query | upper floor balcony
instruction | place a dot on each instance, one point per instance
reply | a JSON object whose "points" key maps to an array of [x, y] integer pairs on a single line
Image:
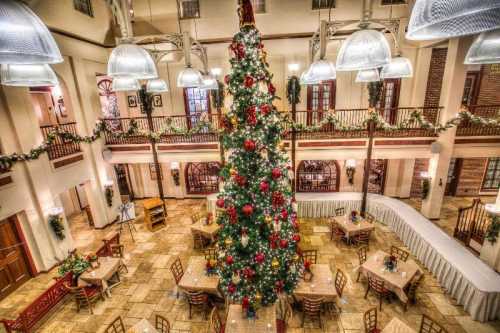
{"points": [[485, 111], [60, 148]]}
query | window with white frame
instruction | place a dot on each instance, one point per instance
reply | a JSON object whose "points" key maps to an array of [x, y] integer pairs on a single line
{"points": [[84, 6]]}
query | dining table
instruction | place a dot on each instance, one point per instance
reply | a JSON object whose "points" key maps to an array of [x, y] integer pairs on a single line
{"points": [[264, 321], [142, 326], [351, 228], [397, 326], [195, 277], [395, 281], [320, 285], [208, 231], [101, 275]]}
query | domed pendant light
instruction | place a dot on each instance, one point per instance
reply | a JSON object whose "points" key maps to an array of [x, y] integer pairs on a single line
{"points": [[364, 49], [28, 75], [322, 70], [209, 83], [132, 61], [188, 77], [305, 78], [399, 67], [368, 75], [485, 49], [125, 84], [156, 86], [434, 19], [24, 38]]}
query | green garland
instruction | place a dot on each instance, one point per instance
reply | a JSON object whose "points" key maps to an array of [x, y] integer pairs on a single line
{"points": [[56, 223]]}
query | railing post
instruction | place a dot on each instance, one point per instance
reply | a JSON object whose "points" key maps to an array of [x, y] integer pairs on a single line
{"points": [[366, 176]]}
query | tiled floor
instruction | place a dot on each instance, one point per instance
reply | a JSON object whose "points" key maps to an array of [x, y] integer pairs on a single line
{"points": [[148, 287]]}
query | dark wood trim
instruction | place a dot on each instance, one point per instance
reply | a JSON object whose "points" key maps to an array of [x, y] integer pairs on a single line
{"points": [[68, 161], [26, 249], [6, 180], [130, 148], [79, 38], [189, 147], [480, 140], [403, 142], [332, 144]]}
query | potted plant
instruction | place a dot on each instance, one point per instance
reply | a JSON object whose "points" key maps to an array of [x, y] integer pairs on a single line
{"points": [[74, 263]]}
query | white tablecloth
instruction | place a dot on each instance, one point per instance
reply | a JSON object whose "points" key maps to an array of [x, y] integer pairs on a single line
{"points": [[465, 277]]}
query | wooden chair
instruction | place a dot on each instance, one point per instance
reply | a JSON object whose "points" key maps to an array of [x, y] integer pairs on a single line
{"points": [[411, 291], [199, 242], [215, 322], [370, 320], [369, 218], [428, 325], [195, 217], [161, 324], [362, 259], [310, 255], [116, 326], [362, 238], [378, 288], [399, 253], [336, 232], [85, 296], [117, 251], [311, 308], [340, 211], [340, 282], [210, 253], [177, 272], [197, 299]]}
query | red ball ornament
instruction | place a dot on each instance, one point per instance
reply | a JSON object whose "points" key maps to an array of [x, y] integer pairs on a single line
{"points": [[226, 79], [229, 260], [283, 243], [296, 238], [271, 89], [265, 109], [277, 199], [220, 203], [276, 173], [259, 258], [264, 186], [248, 82], [231, 288], [247, 209], [245, 302], [240, 180], [279, 285], [284, 214], [249, 145]]}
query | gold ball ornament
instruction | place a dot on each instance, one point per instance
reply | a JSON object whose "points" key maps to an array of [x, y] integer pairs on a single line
{"points": [[268, 219], [234, 120], [275, 264], [228, 241], [296, 257], [233, 172], [281, 145], [258, 297]]}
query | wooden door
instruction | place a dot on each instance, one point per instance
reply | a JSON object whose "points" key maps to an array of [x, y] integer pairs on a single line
{"points": [[389, 101], [121, 171], [471, 88], [376, 179], [453, 176], [14, 268], [320, 99]]}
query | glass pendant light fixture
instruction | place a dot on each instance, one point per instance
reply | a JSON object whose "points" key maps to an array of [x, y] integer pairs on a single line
{"points": [[125, 84], [209, 83], [368, 75], [189, 78], [485, 49], [156, 86], [399, 67], [322, 70], [434, 19], [28, 75], [364, 49], [132, 61], [306, 78], [24, 38]]}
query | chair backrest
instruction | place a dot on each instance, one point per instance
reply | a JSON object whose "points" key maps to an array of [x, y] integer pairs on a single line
{"points": [[370, 320], [177, 270], [196, 297], [117, 250], [210, 253], [428, 325], [161, 324], [376, 284], [219, 212], [362, 254], [369, 217], [77, 292], [312, 306], [340, 282], [363, 236], [195, 217], [414, 284], [339, 211], [216, 322], [310, 255], [399, 253], [116, 326]]}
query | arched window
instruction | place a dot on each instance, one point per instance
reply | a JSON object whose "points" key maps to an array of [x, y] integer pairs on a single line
{"points": [[318, 176], [202, 178]]}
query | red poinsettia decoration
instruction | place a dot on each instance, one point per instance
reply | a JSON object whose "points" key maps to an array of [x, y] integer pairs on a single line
{"points": [[265, 109], [240, 180], [231, 288], [220, 202], [276, 173], [277, 199], [249, 81], [296, 238], [271, 89]]}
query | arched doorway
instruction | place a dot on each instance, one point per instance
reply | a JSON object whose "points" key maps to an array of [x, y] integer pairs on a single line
{"points": [[202, 177], [318, 176]]}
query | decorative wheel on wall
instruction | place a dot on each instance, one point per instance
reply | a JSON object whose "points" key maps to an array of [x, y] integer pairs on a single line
{"points": [[202, 177]]}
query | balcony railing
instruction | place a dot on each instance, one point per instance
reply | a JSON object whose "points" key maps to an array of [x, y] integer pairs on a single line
{"points": [[347, 117], [466, 128], [61, 148]]}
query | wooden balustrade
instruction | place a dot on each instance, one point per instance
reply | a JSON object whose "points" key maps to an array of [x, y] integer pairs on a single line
{"points": [[61, 148], [466, 128]]}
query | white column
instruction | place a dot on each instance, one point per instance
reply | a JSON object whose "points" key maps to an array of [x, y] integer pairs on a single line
{"points": [[490, 253], [406, 177], [451, 98]]}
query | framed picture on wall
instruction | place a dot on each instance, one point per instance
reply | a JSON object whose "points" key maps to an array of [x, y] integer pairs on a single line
{"points": [[157, 102], [152, 172], [132, 101]]}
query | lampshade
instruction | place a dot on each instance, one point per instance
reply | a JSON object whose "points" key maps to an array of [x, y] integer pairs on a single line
{"points": [[189, 77], [485, 49], [125, 84], [364, 49], [434, 19], [209, 83], [24, 39], [322, 70], [129, 60], [397, 68], [216, 71], [156, 86], [28, 75], [368, 75], [306, 78]]}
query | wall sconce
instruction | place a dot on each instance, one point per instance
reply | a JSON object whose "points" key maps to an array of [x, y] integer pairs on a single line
{"points": [[56, 222], [175, 172], [109, 192], [350, 169], [293, 68], [426, 184]]}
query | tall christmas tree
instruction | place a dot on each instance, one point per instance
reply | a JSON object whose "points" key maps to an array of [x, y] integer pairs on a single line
{"points": [[259, 235]]}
